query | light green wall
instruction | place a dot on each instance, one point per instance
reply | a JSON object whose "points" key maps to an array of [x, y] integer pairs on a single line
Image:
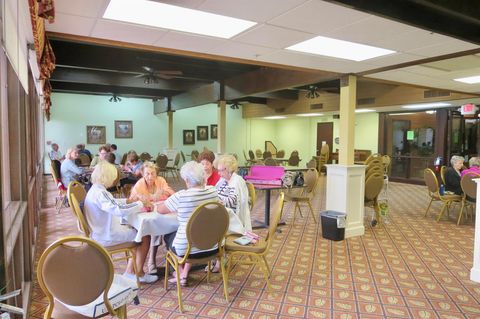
{"points": [[71, 113]]}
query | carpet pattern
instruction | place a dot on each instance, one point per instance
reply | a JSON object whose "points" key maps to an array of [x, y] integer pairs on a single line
{"points": [[410, 266]]}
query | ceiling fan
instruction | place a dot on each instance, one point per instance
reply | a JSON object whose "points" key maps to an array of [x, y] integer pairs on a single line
{"points": [[151, 76]]}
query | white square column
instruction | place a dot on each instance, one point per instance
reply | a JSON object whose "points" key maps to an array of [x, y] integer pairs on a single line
{"points": [[345, 193], [475, 271]]}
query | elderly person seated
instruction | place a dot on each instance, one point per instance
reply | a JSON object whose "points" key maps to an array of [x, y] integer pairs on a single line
{"points": [[474, 166], [133, 167], [453, 175], [55, 154], [69, 170], [184, 203], [206, 158], [104, 214], [151, 189], [232, 189], [103, 151]]}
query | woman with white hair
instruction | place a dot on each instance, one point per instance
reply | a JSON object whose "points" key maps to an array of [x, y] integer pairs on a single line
{"points": [[184, 203], [453, 175], [104, 215], [232, 189], [69, 170]]}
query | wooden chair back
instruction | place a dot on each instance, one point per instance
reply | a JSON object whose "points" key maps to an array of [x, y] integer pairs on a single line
{"points": [[267, 154], [373, 186], [252, 195], [74, 190], [145, 156], [431, 181], [251, 155], [311, 180], [161, 161], [194, 155], [280, 154], [183, 156], [469, 187], [443, 170]]}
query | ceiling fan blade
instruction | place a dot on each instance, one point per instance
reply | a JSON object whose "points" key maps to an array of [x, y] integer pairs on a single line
{"points": [[148, 69], [139, 76], [168, 72]]}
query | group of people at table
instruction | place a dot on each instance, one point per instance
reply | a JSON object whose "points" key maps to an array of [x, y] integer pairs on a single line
{"points": [[207, 179], [454, 174]]}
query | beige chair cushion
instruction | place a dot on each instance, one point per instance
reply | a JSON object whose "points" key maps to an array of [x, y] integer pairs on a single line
{"points": [[259, 247]]}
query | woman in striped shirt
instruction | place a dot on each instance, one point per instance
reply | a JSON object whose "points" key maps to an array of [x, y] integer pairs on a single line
{"points": [[184, 203]]}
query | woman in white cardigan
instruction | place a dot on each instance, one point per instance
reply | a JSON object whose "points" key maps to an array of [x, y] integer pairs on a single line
{"points": [[232, 189]]}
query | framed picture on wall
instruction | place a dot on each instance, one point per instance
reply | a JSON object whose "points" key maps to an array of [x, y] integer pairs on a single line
{"points": [[188, 137], [202, 133], [123, 129], [96, 134], [213, 131]]}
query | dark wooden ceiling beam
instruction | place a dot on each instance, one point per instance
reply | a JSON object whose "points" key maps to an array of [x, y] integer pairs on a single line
{"points": [[75, 75], [109, 89], [283, 95], [270, 80], [205, 94]]}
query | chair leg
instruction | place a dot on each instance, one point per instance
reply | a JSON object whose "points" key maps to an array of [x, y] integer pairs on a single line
{"points": [[460, 213], [445, 206], [209, 265], [122, 312], [224, 277], [429, 204], [265, 273], [266, 263], [134, 264], [311, 211]]}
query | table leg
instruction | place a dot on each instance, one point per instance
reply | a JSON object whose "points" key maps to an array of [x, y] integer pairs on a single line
{"points": [[267, 211]]}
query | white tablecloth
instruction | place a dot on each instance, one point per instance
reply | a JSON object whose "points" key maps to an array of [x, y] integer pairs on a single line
{"points": [[153, 224]]}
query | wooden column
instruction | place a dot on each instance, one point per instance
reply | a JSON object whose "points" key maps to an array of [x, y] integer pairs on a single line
{"points": [[170, 129], [348, 99], [222, 121]]}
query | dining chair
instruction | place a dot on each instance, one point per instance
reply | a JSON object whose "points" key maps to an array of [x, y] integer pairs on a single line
{"points": [[259, 153], [469, 188], [373, 188], [84, 160], [311, 180], [61, 198], [443, 170], [194, 155], [145, 156], [77, 276], [270, 162], [280, 154], [76, 196], [206, 228], [183, 157], [267, 154], [294, 160], [373, 156], [161, 162], [252, 195], [255, 254], [434, 193], [174, 168]]}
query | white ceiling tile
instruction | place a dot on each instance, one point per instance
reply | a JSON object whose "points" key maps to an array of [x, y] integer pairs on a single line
{"points": [[85, 8], [424, 69], [404, 42], [393, 59], [188, 42], [318, 17], [370, 30], [65, 23], [254, 10], [241, 50], [456, 64], [448, 46], [191, 4], [272, 36], [113, 30]]}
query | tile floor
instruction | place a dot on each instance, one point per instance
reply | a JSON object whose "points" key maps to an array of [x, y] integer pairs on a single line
{"points": [[408, 267]]}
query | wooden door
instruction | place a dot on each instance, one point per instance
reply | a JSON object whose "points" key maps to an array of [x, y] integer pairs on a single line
{"points": [[324, 133]]}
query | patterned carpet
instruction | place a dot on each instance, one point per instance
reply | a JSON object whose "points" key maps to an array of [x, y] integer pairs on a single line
{"points": [[407, 267]]}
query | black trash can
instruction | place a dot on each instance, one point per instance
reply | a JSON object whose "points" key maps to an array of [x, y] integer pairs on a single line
{"points": [[333, 225]]}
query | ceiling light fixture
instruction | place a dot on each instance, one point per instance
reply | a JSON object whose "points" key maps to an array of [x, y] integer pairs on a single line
{"points": [[312, 92], [274, 117], [114, 98], [364, 110], [166, 16], [310, 114], [469, 80], [426, 105], [339, 49]]}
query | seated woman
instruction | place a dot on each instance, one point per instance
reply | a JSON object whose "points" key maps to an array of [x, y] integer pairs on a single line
{"points": [[133, 167], [184, 203], [150, 189], [474, 166], [206, 158], [103, 151], [69, 170], [232, 189], [104, 214], [453, 175]]}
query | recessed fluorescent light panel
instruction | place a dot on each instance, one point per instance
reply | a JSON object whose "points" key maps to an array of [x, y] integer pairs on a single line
{"points": [[310, 114], [275, 117], [167, 16], [469, 80], [364, 110], [426, 105], [339, 49]]}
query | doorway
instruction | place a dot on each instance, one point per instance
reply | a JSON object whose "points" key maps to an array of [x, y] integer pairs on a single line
{"points": [[324, 134]]}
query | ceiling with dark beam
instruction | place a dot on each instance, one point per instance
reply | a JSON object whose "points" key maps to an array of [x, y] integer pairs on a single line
{"points": [[100, 61]]}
